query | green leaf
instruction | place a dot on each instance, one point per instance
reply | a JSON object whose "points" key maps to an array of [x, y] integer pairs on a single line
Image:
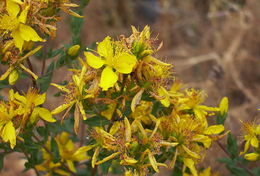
{"points": [[237, 171], [97, 121], [55, 150], [232, 146], [225, 160], [256, 171], [53, 53]]}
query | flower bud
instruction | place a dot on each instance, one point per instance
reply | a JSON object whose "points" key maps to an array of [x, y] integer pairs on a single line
{"points": [[13, 77], [73, 50]]}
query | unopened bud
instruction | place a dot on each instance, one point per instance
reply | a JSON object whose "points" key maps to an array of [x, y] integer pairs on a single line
{"points": [[73, 50]]}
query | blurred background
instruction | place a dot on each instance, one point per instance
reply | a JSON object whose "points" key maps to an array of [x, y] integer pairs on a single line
{"points": [[214, 45]]}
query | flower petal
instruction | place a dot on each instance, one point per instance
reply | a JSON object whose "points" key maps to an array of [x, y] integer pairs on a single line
{"points": [[191, 165], [94, 61], [214, 129], [108, 78], [28, 33], [18, 40], [125, 63], [8, 134], [61, 108], [12, 8], [105, 48], [45, 114]]}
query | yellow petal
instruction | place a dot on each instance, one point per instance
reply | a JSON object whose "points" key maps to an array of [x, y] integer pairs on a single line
{"points": [[254, 142], [129, 160], [62, 88], [45, 114], [128, 132], [18, 40], [71, 166], [94, 158], [82, 111], [109, 111], [94, 61], [125, 63], [191, 165], [108, 158], [115, 127], [104, 48], [82, 151], [153, 161], [8, 134], [12, 8], [172, 144], [28, 33], [152, 59], [136, 99], [191, 153], [203, 139], [251, 156], [40, 99], [163, 93], [214, 129], [206, 172], [61, 108], [20, 98], [23, 16], [108, 78], [246, 147]]}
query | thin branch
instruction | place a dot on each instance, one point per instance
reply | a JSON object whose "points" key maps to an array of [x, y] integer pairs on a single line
{"points": [[31, 68]]}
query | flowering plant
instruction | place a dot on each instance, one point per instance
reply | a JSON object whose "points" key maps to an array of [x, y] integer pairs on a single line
{"points": [[124, 111]]}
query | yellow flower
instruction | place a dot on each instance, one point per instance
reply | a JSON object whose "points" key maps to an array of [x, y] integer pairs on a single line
{"points": [[193, 101], [252, 131], [7, 130], [18, 111], [113, 59], [75, 93], [30, 106], [17, 24], [69, 154]]}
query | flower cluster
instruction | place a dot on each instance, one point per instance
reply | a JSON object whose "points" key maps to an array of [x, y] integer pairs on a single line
{"points": [[139, 116], [20, 111], [22, 25], [69, 154], [150, 122]]}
